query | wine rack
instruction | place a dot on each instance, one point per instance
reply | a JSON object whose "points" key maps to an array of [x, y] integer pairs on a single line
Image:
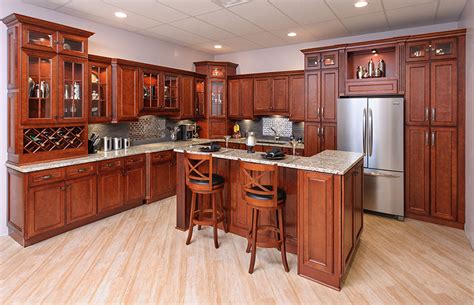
{"points": [[36, 140]]}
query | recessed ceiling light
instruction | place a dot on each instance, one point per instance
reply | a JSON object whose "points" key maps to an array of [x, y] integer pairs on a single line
{"points": [[292, 34], [217, 46], [361, 3], [120, 15]]}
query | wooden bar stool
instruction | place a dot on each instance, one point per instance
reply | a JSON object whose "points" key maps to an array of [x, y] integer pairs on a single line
{"points": [[201, 181], [260, 191]]}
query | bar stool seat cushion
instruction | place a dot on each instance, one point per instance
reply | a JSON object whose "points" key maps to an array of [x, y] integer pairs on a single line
{"points": [[280, 193], [216, 180]]}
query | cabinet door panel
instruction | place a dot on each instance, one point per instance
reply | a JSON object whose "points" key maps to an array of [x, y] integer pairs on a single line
{"points": [[330, 59], [444, 93], [444, 48], [328, 134], [312, 143], [100, 92], [329, 94], [417, 167], [417, 95], [46, 206], [444, 173], [296, 97], [316, 239], [233, 101], [246, 98], [347, 216], [81, 198], [73, 89], [126, 93], [280, 95], [134, 184], [418, 50], [187, 97], [110, 190], [358, 200], [313, 96], [161, 179], [262, 95]]}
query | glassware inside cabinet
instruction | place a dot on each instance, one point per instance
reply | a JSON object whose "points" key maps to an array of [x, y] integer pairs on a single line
{"points": [[200, 101], [150, 90], [217, 98], [40, 38], [73, 89], [98, 98], [39, 87], [171, 91]]}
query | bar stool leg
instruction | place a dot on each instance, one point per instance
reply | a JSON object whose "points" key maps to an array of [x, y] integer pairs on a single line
{"points": [[254, 241], [214, 218], [282, 239], [249, 236], [191, 218], [200, 206], [225, 224]]}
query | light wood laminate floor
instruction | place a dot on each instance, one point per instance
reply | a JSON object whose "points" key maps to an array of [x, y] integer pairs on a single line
{"points": [[138, 257]]}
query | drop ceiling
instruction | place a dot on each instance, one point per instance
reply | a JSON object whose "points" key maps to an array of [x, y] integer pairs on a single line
{"points": [[201, 24]]}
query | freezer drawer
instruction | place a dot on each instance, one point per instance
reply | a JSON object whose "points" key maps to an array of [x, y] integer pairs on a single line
{"points": [[383, 191]]}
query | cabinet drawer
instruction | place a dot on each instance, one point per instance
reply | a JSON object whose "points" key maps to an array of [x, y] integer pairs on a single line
{"points": [[80, 170], [109, 165], [162, 156], [135, 160], [46, 176], [369, 86]]}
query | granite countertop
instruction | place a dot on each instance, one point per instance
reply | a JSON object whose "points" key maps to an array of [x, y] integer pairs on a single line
{"points": [[329, 161], [335, 162], [278, 144]]}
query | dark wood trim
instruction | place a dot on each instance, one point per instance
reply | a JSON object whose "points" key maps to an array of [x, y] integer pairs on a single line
{"points": [[267, 74], [126, 62], [98, 58], [15, 18], [216, 63]]}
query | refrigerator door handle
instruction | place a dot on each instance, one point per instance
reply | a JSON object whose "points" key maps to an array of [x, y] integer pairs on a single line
{"points": [[381, 175], [371, 133], [364, 132]]}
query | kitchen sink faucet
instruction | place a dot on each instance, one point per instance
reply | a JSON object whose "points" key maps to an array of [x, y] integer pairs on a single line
{"points": [[276, 137]]}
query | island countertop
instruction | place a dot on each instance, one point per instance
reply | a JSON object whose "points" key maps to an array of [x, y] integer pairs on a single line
{"points": [[329, 161]]}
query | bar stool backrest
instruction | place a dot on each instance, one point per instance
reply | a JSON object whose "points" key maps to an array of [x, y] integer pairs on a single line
{"points": [[256, 179], [196, 166]]}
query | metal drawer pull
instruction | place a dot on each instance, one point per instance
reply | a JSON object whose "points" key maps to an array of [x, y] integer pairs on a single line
{"points": [[426, 138], [47, 177], [433, 138], [81, 170], [318, 111], [433, 114], [322, 112], [109, 165], [427, 113]]}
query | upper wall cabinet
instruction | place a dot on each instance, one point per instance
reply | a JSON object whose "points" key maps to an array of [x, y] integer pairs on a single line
{"points": [[125, 91], [100, 89], [443, 48], [271, 95], [240, 99], [48, 95], [322, 60]]}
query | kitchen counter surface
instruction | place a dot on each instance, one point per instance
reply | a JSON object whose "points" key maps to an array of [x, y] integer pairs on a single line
{"points": [[328, 161]]}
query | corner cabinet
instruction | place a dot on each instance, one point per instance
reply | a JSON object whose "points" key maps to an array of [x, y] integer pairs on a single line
{"points": [[47, 83]]}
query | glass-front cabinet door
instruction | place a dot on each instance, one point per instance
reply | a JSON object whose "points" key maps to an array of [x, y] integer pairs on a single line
{"points": [[39, 38], [100, 102], [170, 92], [418, 50], [40, 80], [444, 48], [72, 45], [200, 97], [313, 61], [72, 88], [151, 91], [217, 98], [330, 59]]}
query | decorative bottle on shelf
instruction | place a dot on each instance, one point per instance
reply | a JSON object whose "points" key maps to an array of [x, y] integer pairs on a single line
{"points": [[77, 91], [371, 68], [382, 67]]}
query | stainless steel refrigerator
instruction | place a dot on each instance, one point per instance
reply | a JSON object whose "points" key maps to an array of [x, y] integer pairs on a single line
{"points": [[374, 126]]}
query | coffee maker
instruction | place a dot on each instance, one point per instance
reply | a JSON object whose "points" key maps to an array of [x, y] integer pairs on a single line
{"points": [[186, 132]]}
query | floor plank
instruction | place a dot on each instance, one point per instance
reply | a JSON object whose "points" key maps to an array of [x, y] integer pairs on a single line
{"points": [[138, 257]]}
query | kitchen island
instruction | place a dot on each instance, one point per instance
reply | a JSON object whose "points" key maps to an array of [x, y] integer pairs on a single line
{"points": [[324, 206]]}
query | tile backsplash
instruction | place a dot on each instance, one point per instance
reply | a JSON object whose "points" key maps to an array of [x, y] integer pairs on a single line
{"points": [[282, 126], [262, 127]]}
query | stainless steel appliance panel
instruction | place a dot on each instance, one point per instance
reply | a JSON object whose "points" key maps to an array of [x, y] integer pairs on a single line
{"points": [[351, 125], [385, 134], [383, 191]]}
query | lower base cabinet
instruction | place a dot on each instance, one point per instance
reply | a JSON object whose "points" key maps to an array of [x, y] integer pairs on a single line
{"points": [[161, 176], [81, 198], [134, 180], [110, 186]]}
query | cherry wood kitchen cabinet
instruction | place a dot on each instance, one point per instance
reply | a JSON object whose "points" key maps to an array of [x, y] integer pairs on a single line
{"points": [[240, 99], [200, 97], [321, 95], [100, 89], [271, 95], [134, 181], [423, 50], [151, 94], [161, 176], [125, 91], [187, 107], [110, 185], [81, 198], [319, 137], [296, 97]]}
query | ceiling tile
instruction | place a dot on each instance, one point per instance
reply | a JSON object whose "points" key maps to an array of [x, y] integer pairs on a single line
{"points": [[202, 28], [393, 4], [192, 7], [346, 8], [412, 16], [450, 10], [230, 22], [302, 35], [376, 22], [163, 38], [305, 11], [49, 4], [328, 29], [150, 9], [265, 39], [239, 44], [103, 10], [171, 32], [264, 15]]}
